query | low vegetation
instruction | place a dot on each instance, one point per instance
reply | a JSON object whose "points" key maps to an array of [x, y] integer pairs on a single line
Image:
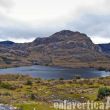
{"points": [[103, 92], [28, 93]]}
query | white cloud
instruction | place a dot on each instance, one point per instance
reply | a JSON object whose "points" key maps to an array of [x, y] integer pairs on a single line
{"points": [[6, 3], [98, 39], [32, 18], [44, 11], [17, 40]]}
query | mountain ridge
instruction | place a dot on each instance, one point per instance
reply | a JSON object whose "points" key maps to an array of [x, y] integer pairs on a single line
{"points": [[63, 36], [6, 43], [65, 48]]}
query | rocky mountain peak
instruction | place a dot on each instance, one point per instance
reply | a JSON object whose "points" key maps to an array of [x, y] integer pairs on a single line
{"points": [[67, 39], [63, 35], [64, 32], [68, 34]]}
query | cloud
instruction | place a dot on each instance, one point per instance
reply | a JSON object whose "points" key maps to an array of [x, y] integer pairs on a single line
{"points": [[28, 19], [15, 31], [17, 34], [94, 21], [6, 3], [92, 24]]}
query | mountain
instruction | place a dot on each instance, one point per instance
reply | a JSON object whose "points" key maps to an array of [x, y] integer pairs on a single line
{"points": [[105, 48], [13, 54], [68, 39], [65, 48], [6, 43]]}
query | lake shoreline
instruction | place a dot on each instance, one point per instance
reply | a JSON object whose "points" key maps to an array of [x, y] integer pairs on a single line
{"points": [[98, 67], [56, 72]]}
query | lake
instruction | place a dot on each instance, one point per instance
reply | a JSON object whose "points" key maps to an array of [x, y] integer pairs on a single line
{"points": [[48, 72]]}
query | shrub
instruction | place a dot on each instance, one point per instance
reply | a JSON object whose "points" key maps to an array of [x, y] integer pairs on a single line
{"points": [[101, 69], [61, 78], [29, 82], [47, 64], [33, 97], [103, 92], [7, 94], [7, 86], [77, 77]]}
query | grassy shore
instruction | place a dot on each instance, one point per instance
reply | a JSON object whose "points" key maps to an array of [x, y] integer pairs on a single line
{"points": [[28, 93]]}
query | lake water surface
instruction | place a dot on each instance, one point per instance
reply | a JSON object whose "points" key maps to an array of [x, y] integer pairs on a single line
{"points": [[48, 72]]}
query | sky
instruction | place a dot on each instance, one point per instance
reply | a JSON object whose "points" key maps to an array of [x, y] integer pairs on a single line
{"points": [[25, 20]]}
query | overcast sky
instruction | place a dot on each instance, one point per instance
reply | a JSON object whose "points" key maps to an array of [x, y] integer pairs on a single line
{"points": [[24, 20]]}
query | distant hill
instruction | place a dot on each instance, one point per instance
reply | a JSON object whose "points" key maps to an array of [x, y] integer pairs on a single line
{"points": [[7, 43], [105, 48]]}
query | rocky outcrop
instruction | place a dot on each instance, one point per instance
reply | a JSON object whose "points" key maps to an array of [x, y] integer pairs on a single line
{"points": [[69, 39]]}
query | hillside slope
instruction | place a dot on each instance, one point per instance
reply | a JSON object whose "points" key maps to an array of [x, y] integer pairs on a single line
{"points": [[64, 48], [67, 48]]}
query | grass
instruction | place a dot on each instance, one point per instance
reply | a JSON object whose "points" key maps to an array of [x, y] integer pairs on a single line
{"points": [[29, 93], [37, 106]]}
